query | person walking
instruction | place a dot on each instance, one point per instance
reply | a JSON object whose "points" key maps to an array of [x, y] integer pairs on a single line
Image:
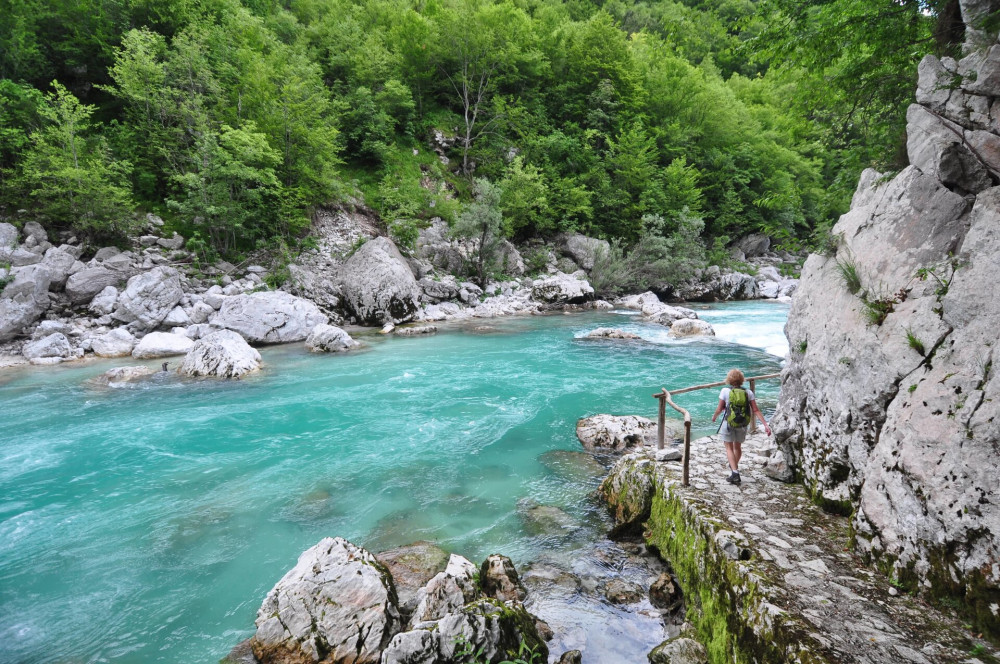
{"points": [[740, 407]]}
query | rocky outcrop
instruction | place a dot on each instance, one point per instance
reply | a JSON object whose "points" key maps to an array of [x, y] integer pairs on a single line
{"points": [[886, 410], [336, 605], [339, 605], [161, 344], [715, 286], [222, 354], [378, 285], [584, 250], [412, 567], [271, 317], [329, 339]]}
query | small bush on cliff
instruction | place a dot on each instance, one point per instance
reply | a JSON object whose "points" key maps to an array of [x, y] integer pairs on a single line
{"points": [[850, 276]]}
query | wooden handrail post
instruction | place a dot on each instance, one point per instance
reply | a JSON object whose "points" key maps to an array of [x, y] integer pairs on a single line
{"points": [[753, 417], [661, 421], [687, 451]]}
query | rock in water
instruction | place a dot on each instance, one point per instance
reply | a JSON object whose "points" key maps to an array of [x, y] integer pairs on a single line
{"points": [[161, 344], [273, 317], [610, 333], [337, 605], [378, 285], [329, 339], [665, 593], [447, 592], [149, 297], [120, 375], [224, 354], [679, 650], [686, 327], [617, 433]]}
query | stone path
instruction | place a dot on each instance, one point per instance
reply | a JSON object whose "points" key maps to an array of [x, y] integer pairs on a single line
{"points": [[797, 583]]}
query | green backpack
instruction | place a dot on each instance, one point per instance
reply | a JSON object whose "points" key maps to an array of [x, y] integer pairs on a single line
{"points": [[738, 415]]}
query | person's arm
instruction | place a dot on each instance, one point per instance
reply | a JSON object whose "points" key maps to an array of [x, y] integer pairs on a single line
{"points": [[760, 415], [722, 407]]}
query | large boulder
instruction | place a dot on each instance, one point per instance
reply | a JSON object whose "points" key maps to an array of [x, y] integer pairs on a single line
{"points": [[618, 433], [116, 343], [628, 492], [329, 339], [562, 288], [271, 317], [223, 354], [104, 302], [498, 578], [82, 286], [23, 300], [8, 241], [51, 349], [687, 327], [753, 245], [149, 297], [337, 605], [60, 264], [938, 148], [679, 650], [120, 376], [584, 250], [161, 344], [378, 285]]}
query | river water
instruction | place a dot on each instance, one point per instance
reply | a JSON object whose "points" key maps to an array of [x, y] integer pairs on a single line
{"points": [[146, 524]]}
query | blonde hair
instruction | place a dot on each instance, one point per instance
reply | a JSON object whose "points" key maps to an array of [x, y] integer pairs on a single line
{"points": [[734, 377]]}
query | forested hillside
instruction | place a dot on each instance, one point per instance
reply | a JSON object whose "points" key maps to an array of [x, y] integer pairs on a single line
{"points": [[672, 119]]}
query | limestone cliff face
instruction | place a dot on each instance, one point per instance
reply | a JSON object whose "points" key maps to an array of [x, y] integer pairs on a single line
{"points": [[890, 404]]}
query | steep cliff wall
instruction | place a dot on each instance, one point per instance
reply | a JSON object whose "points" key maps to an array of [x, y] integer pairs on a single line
{"points": [[890, 404]]}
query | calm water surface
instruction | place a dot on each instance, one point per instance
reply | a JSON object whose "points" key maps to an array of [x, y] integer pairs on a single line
{"points": [[146, 524]]}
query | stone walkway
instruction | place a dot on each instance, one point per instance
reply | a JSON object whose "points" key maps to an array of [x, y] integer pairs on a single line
{"points": [[796, 583]]}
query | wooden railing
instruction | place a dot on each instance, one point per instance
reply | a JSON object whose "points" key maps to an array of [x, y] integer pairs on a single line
{"points": [[665, 398]]}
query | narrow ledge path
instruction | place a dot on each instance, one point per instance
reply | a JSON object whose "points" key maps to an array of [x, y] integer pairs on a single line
{"points": [[768, 575]]}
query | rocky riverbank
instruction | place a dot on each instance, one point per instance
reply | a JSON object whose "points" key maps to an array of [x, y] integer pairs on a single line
{"points": [[70, 301]]}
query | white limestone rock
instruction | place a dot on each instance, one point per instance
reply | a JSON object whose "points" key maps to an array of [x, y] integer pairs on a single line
{"points": [[336, 605], [116, 343], [54, 346], [584, 250], [23, 300], [104, 302], [329, 339], [447, 592], [82, 286], [149, 297], [938, 148], [562, 288], [271, 317], [687, 327], [121, 376], [618, 433], [177, 318], [222, 354], [610, 333], [377, 284], [161, 344]]}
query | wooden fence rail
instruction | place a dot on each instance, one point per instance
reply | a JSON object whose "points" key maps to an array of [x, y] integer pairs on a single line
{"points": [[665, 397]]}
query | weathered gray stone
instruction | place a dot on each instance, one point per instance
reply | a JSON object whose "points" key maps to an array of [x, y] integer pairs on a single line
{"points": [[122, 375], [665, 593], [222, 354], [33, 229], [149, 297], [415, 330], [499, 579], [754, 245], [174, 243], [201, 312], [23, 300], [975, 14], [52, 346], [509, 259], [412, 567], [177, 318], [679, 650], [23, 257], [687, 327], [8, 238], [104, 302], [116, 343], [329, 339], [562, 289], [617, 433], [934, 84], [82, 286], [60, 265], [161, 344], [336, 605], [271, 317], [447, 592], [105, 253], [377, 284], [610, 333], [584, 250], [937, 147], [439, 290]]}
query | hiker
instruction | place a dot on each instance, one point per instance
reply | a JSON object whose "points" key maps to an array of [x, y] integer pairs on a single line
{"points": [[740, 406]]}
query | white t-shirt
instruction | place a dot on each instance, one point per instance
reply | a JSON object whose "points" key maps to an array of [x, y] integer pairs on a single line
{"points": [[724, 396]]}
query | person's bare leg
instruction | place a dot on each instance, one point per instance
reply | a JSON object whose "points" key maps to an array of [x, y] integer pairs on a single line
{"points": [[737, 454], [731, 455]]}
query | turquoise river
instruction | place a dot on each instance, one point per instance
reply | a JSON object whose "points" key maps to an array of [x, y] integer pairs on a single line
{"points": [[146, 524]]}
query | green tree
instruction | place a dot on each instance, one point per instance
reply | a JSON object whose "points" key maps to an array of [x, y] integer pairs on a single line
{"points": [[482, 223], [524, 200], [73, 178]]}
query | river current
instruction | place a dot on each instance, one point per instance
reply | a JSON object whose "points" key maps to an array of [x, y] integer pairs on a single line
{"points": [[146, 524]]}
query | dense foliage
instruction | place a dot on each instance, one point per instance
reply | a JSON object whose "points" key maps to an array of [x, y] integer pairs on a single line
{"points": [[681, 122]]}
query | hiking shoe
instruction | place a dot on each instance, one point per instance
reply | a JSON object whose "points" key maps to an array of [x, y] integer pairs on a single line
{"points": [[736, 478]]}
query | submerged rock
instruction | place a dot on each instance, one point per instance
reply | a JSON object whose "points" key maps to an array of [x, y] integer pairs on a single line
{"points": [[121, 375], [336, 605], [415, 331], [224, 354], [610, 333]]}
